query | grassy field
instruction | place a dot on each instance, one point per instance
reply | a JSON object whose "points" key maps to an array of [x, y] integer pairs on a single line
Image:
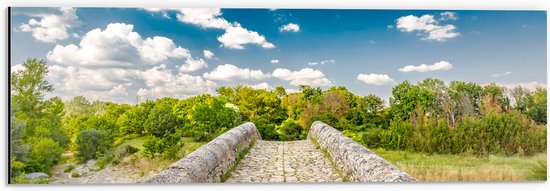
{"points": [[144, 164], [444, 168]]}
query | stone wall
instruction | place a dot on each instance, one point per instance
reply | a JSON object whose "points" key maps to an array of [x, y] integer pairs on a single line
{"points": [[354, 160], [209, 162]]}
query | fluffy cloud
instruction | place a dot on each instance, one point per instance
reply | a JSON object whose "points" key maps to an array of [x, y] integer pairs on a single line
{"points": [[191, 65], [501, 74], [208, 54], [117, 64], [161, 82], [448, 16], [261, 86], [375, 79], [235, 35], [290, 27], [428, 25], [331, 61], [275, 61], [52, 27], [230, 72], [119, 46], [107, 84], [305, 76], [203, 17], [441, 65]]}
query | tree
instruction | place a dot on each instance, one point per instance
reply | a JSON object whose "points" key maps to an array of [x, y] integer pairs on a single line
{"points": [[537, 111], [45, 153], [496, 93], [289, 130], [161, 119], [369, 111], [92, 143], [280, 91], [28, 87], [213, 117]]}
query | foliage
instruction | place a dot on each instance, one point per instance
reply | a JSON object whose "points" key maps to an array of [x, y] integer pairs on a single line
{"points": [[44, 154], [290, 130], [161, 120], [92, 143], [429, 116]]}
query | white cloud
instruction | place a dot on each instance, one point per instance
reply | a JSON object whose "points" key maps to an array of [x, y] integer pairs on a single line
{"points": [[448, 16], [117, 64], [428, 25], [203, 17], [501, 74], [531, 86], [158, 10], [17, 68], [261, 86], [119, 46], [375, 79], [236, 36], [191, 65], [108, 84], [331, 61], [441, 65], [161, 82], [291, 90], [290, 27], [52, 27], [230, 72], [305, 76], [274, 61], [208, 54], [389, 26]]}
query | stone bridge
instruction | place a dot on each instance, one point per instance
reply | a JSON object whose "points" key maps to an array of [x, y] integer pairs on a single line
{"points": [[240, 156]]}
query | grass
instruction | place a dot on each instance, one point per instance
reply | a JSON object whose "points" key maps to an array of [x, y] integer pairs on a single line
{"points": [[446, 168], [240, 157], [145, 164]]}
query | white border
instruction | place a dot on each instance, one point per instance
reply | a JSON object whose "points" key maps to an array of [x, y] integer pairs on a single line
{"points": [[321, 4]]}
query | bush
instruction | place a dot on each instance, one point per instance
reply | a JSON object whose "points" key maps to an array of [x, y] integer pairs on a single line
{"points": [[44, 154], [510, 133], [168, 146], [92, 143], [75, 175], [371, 137], [69, 169], [290, 130], [267, 130]]}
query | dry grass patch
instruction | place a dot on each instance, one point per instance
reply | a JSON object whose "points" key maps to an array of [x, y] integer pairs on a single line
{"points": [[450, 168]]}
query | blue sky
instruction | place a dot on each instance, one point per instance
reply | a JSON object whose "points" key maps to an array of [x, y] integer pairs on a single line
{"points": [[124, 55]]}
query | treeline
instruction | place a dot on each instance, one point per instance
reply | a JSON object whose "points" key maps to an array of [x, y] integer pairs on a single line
{"points": [[430, 116]]}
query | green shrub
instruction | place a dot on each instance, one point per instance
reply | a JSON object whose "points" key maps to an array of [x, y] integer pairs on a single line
{"points": [[92, 143], [44, 154], [69, 169], [267, 130], [75, 175], [290, 130]]}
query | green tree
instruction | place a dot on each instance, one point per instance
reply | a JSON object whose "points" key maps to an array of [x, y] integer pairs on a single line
{"points": [[161, 119], [92, 143], [28, 87], [45, 153], [537, 111]]}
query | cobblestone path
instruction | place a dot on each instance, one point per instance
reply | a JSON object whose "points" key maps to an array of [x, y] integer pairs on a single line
{"points": [[288, 161]]}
